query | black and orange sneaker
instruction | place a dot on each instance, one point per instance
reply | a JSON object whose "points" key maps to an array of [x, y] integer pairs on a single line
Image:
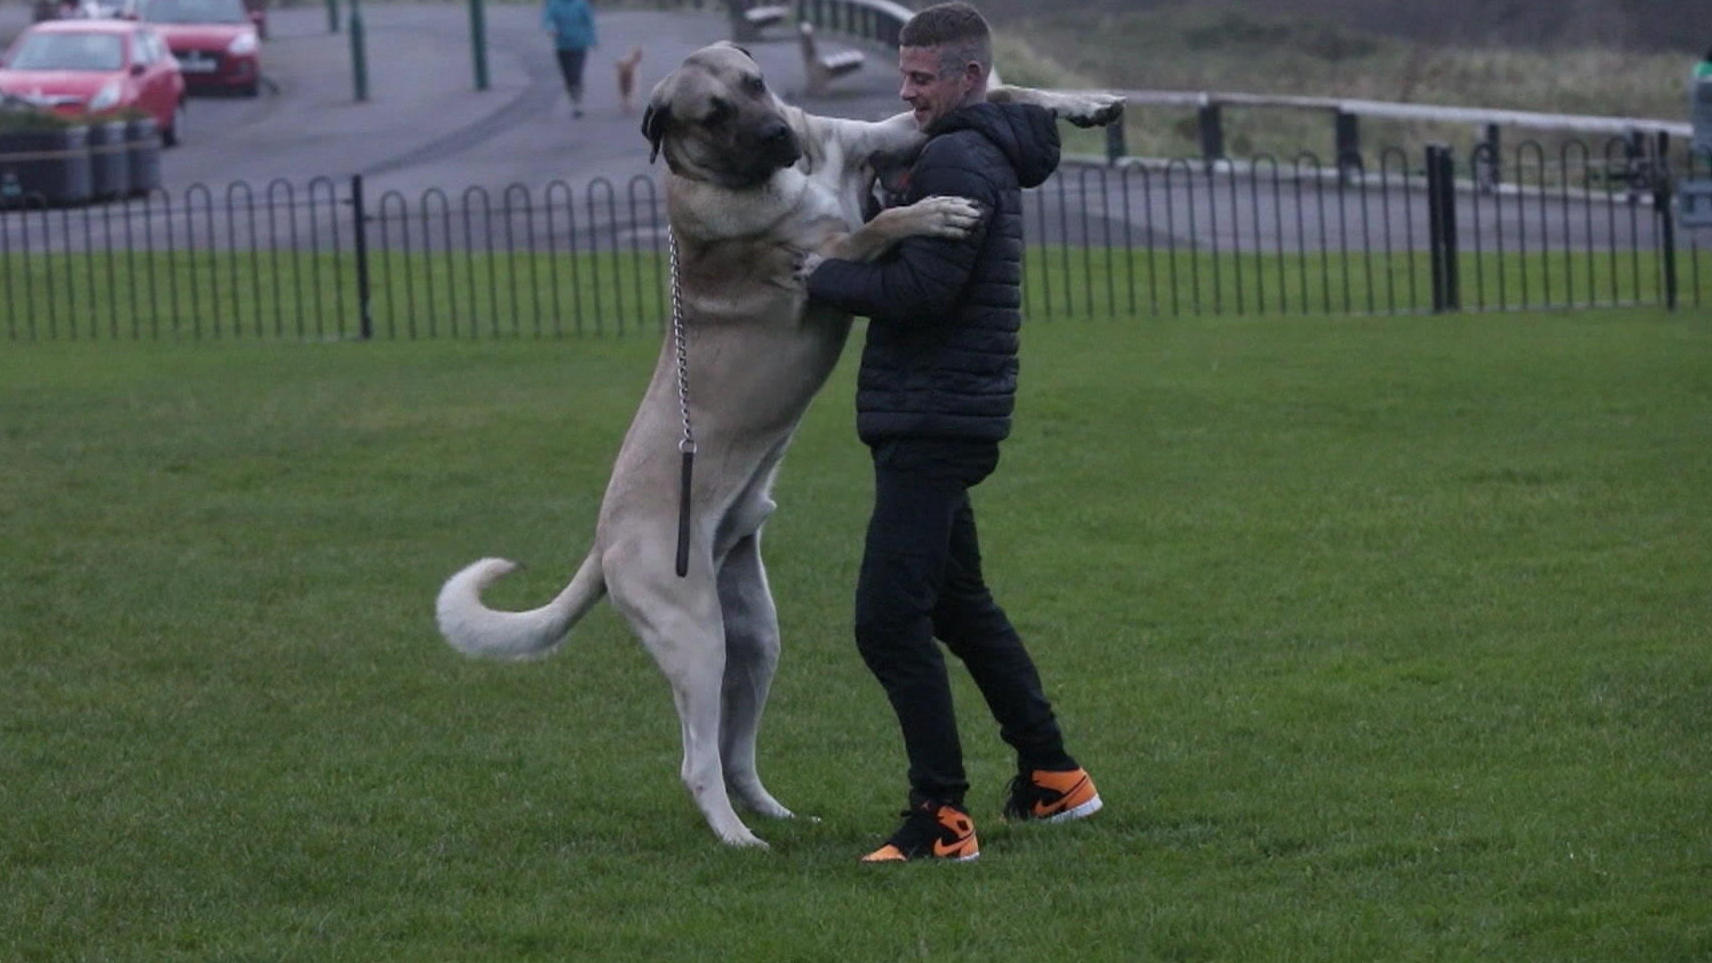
{"points": [[930, 831], [1045, 796]]}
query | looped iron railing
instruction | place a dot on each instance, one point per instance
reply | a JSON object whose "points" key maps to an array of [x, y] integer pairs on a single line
{"points": [[1582, 225]]}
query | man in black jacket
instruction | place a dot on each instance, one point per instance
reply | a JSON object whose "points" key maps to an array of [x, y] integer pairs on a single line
{"points": [[934, 399]]}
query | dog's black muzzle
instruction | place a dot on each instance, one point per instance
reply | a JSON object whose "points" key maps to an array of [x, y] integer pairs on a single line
{"points": [[779, 145]]}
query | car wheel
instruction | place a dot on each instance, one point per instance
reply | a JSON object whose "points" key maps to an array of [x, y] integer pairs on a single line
{"points": [[252, 90]]}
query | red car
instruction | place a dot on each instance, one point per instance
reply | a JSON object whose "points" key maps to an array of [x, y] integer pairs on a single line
{"points": [[96, 68], [217, 42]]}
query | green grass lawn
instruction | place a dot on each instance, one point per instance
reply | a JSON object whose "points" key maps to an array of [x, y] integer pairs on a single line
{"points": [[1386, 639], [215, 296]]}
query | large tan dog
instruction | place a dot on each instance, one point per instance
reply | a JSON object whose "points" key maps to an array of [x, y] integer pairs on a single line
{"points": [[753, 184]]}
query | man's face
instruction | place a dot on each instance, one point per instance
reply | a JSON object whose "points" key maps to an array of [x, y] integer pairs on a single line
{"points": [[931, 90]]}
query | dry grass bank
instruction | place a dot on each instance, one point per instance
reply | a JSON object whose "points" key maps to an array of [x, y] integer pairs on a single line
{"points": [[1224, 49]]}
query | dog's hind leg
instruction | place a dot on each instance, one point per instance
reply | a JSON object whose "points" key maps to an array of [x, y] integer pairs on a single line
{"points": [[678, 621], [751, 657]]}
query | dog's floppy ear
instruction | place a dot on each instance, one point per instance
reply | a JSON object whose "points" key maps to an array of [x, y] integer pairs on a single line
{"points": [[735, 46], [654, 121], [658, 113]]}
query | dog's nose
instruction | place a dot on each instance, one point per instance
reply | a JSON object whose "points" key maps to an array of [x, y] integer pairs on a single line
{"points": [[775, 133]]}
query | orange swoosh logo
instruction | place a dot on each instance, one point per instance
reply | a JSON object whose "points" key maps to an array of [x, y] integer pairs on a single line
{"points": [[1047, 809]]}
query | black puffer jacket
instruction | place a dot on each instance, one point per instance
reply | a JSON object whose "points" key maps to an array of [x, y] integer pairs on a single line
{"points": [[941, 357]]}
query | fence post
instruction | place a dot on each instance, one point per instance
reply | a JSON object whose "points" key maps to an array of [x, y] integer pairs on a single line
{"points": [[1116, 149], [1212, 128], [1447, 222], [359, 55], [360, 216], [1347, 135], [1662, 210], [742, 31], [1435, 226], [478, 42]]}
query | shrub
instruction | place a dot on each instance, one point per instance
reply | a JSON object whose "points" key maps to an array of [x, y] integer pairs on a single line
{"points": [[16, 115]]}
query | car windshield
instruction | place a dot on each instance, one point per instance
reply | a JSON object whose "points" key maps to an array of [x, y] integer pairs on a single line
{"points": [[69, 51], [193, 11]]}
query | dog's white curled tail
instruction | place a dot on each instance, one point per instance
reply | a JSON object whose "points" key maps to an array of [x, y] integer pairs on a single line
{"points": [[474, 629]]}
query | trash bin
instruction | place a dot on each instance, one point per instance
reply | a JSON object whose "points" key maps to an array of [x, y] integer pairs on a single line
{"points": [[51, 162], [109, 160], [143, 152]]}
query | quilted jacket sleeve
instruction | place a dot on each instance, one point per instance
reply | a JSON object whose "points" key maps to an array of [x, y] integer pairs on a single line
{"points": [[921, 279]]}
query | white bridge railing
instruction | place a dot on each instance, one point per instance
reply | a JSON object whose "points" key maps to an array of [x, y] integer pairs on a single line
{"points": [[1645, 132]]}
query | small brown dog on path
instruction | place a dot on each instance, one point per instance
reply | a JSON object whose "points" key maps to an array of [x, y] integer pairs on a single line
{"points": [[627, 79]]}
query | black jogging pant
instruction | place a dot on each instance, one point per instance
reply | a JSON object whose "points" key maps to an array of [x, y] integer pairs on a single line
{"points": [[921, 580]]}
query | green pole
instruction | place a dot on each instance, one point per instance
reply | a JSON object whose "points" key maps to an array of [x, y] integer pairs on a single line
{"points": [[478, 42], [332, 16], [359, 58]]}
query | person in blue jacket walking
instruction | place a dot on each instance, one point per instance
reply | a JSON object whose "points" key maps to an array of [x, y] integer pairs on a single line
{"points": [[571, 22]]}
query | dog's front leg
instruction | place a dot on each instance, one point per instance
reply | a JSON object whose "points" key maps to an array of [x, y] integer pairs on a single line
{"points": [[859, 141], [1083, 108], [949, 217]]}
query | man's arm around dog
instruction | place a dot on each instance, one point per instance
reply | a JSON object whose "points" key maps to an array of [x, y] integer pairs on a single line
{"points": [[924, 279]]}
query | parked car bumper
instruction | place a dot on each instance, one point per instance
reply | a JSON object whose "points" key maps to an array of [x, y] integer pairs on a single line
{"points": [[206, 70]]}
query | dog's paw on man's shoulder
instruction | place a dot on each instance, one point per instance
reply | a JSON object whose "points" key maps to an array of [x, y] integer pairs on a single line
{"points": [[1100, 110]]}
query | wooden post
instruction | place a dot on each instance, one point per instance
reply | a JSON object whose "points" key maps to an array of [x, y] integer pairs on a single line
{"points": [[1212, 128], [1347, 128]]}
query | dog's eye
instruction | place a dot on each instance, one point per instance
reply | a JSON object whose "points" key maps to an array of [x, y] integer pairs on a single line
{"points": [[755, 84]]}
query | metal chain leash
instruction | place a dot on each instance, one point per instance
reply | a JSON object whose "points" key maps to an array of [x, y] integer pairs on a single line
{"points": [[687, 444]]}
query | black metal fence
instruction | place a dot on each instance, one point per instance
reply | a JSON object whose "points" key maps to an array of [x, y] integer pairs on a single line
{"points": [[333, 260]]}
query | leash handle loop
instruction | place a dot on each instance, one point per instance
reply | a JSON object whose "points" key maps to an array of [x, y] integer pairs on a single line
{"points": [[688, 458], [686, 445]]}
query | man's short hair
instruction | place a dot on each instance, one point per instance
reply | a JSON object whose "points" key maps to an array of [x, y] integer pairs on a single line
{"points": [[957, 29]]}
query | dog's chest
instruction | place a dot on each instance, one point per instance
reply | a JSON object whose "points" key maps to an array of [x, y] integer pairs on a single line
{"points": [[828, 205], [728, 268]]}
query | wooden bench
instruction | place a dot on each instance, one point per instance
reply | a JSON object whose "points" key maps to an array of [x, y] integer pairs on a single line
{"points": [[763, 17], [822, 69]]}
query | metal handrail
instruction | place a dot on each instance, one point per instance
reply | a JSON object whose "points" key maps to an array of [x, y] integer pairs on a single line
{"points": [[1534, 120]]}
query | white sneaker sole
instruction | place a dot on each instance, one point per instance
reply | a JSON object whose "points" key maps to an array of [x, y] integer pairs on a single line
{"points": [[1083, 811]]}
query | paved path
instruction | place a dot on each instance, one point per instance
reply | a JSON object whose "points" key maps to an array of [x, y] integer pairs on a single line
{"points": [[424, 124]]}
